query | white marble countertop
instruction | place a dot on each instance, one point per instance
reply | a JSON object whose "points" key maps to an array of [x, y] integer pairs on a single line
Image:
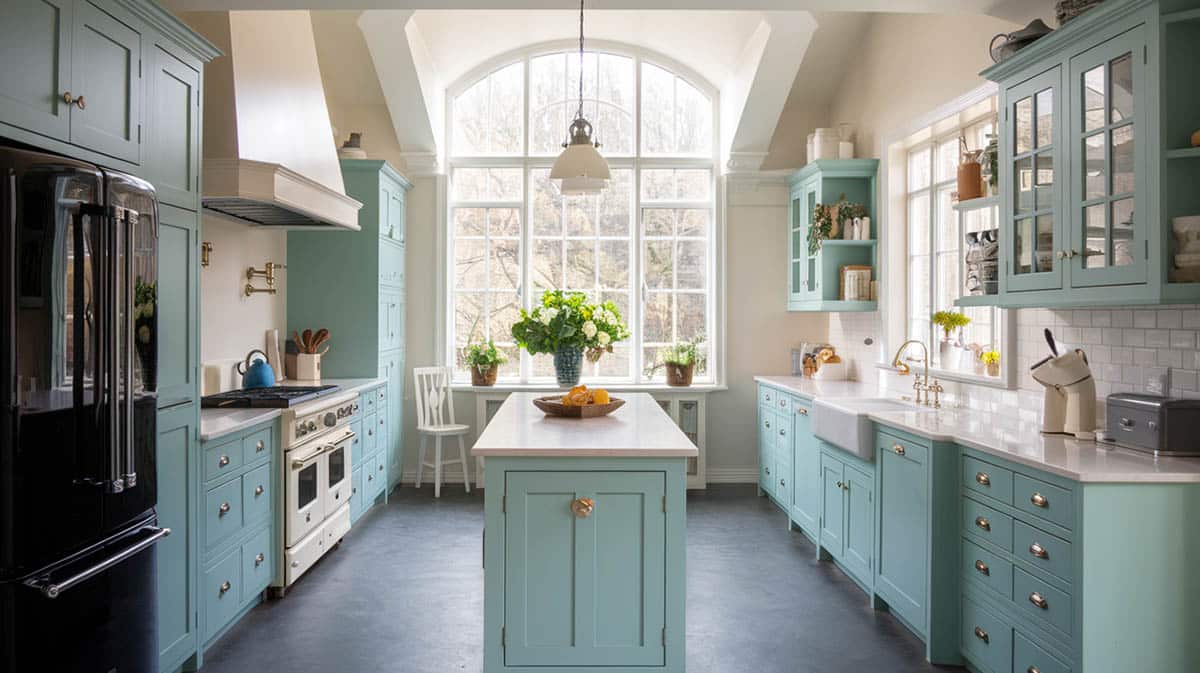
{"points": [[216, 423], [1007, 436], [640, 429]]}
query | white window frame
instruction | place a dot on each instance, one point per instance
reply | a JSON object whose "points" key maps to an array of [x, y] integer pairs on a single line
{"points": [[714, 336], [946, 122]]}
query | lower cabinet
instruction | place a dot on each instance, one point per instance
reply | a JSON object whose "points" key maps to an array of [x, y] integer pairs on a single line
{"points": [[371, 451], [848, 512], [902, 572], [806, 471], [177, 468]]}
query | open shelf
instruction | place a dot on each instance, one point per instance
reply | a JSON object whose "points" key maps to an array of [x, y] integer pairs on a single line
{"points": [[1184, 153], [843, 243], [978, 300], [834, 306], [975, 204]]}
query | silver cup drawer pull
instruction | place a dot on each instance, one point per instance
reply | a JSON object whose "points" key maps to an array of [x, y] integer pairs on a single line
{"points": [[258, 560], [1039, 601], [223, 461], [1039, 500]]}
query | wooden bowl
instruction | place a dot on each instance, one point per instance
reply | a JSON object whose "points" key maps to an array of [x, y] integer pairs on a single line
{"points": [[553, 406]]}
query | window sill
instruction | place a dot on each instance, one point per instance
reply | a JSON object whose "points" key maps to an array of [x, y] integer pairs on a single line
{"points": [[951, 375], [613, 387]]}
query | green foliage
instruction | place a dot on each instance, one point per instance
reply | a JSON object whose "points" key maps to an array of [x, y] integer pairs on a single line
{"points": [[145, 297], [822, 220], [682, 354], [483, 356], [949, 321], [566, 320]]}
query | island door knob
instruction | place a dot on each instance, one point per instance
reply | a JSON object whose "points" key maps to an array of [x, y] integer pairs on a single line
{"points": [[582, 507]]}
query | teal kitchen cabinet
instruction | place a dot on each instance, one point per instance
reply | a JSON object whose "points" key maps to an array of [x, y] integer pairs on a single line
{"points": [[806, 471], [36, 34], [361, 284], [814, 280], [171, 155], [369, 454], [572, 583], [847, 522], [584, 591], [178, 306], [177, 466], [1094, 158], [106, 76]]}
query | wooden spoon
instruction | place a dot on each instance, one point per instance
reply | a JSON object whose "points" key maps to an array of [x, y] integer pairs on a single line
{"points": [[296, 340], [307, 345], [321, 337]]}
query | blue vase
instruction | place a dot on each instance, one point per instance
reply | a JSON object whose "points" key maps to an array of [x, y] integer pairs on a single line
{"points": [[568, 365]]}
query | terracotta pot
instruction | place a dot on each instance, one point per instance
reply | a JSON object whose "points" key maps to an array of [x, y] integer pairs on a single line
{"points": [[970, 181], [484, 375], [993, 369], [680, 376]]}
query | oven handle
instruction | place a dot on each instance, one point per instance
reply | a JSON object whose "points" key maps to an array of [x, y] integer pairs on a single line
{"points": [[51, 589], [301, 462], [346, 436]]}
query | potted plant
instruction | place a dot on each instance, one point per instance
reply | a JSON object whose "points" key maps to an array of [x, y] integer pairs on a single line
{"points": [[566, 326], [991, 359], [680, 361], [948, 321], [826, 221], [484, 361], [145, 299]]}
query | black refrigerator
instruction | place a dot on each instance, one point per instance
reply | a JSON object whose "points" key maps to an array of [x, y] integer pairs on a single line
{"points": [[78, 301]]}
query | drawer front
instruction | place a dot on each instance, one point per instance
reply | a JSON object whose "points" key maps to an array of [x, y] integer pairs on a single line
{"points": [[257, 446], [991, 480], [256, 565], [391, 266], [371, 481], [1035, 597], [381, 397], [257, 494], [379, 484], [356, 491], [221, 460], [357, 447], [222, 512], [767, 396], [381, 427], [1029, 658], [1043, 550], [369, 402], [783, 404], [986, 523], [986, 637], [1045, 500], [903, 447], [221, 592], [995, 571], [370, 428]]}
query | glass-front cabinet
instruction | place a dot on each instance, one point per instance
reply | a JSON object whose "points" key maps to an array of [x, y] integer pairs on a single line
{"points": [[1096, 181]]}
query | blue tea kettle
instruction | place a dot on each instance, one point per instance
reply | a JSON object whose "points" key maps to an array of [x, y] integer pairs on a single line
{"points": [[257, 374]]}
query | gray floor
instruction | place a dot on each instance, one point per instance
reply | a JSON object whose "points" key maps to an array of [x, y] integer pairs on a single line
{"points": [[404, 594]]}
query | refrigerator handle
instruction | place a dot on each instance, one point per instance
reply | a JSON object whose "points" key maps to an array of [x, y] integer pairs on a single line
{"points": [[129, 473], [51, 589], [113, 368]]}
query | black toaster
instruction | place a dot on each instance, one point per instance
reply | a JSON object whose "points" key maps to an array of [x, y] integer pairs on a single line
{"points": [[1163, 425]]}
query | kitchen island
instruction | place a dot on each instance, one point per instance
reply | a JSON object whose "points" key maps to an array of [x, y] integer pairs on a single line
{"points": [[584, 540]]}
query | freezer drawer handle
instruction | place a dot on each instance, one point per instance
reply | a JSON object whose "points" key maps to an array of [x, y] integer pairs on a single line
{"points": [[54, 589]]}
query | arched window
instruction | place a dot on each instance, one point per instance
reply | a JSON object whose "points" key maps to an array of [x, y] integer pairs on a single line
{"points": [[646, 242]]}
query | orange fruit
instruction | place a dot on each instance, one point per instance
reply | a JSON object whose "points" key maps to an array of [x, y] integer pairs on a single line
{"points": [[600, 396]]}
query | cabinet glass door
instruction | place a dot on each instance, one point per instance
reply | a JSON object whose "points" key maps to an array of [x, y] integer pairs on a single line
{"points": [[1108, 234], [1032, 210], [797, 255]]}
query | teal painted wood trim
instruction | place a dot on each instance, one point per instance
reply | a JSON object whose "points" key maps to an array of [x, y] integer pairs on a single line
{"points": [[495, 536], [839, 168], [177, 470], [1139, 584], [163, 21], [375, 166], [178, 306]]}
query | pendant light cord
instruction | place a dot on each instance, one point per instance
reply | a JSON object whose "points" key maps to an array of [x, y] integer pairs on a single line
{"points": [[579, 115]]}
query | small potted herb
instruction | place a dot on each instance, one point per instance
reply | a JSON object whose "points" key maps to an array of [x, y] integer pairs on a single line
{"points": [[991, 359], [484, 361], [680, 361]]}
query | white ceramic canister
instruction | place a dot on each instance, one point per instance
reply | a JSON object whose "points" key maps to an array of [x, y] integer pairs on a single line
{"points": [[864, 229], [845, 150]]}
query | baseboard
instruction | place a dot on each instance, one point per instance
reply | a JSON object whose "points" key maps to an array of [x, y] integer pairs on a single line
{"points": [[732, 475]]}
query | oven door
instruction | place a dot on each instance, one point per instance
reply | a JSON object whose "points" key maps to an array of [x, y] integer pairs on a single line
{"points": [[306, 470], [337, 484]]}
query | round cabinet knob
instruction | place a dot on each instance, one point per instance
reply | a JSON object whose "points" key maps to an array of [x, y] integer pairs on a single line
{"points": [[982, 635], [77, 101], [983, 479], [225, 587], [1038, 551], [259, 446], [1039, 500], [1037, 600], [222, 461], [782, 431], [223, 509], [769, 472], [899, 449], [783, 403], [983, 523], [982, 567], [802, 411], [583, 507], [295, 564], [258, 560], [381, 468], [370, 477], [258, 490], [768, 423], [782, 482], [1033, 669]]}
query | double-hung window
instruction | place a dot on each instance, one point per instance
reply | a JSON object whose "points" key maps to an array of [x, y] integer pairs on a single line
{"points": [[646, 242]]}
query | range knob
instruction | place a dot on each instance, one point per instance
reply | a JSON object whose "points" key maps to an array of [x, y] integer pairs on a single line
{"points": [[330, 419], [311, 425]]}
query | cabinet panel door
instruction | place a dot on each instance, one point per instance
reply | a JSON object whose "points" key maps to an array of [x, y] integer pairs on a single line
{"points": [[903, 530], [781, 484], [1031, 162], [394, 229], [177, 471], [173, 129], [585, 590], [106, 70], [35, 46], [833, 506], [806, 472], [178, 307], [392, 369], [1108, 154], [766, 448], [860, 524]]}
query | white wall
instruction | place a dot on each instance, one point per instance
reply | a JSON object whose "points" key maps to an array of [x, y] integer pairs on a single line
{"points": [[232, 324]]}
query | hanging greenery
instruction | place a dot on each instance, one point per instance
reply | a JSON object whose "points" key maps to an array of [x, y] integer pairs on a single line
{"points": [[825, 218]]}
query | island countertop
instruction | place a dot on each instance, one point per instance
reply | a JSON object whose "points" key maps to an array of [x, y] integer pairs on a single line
{"points": [[640, 429]]}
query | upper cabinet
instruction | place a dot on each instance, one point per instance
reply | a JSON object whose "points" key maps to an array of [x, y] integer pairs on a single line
{"points": [[1089, 191], [815, 273]]}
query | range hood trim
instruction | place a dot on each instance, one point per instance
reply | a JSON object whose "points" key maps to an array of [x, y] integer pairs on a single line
{"points": [[277, 187]]}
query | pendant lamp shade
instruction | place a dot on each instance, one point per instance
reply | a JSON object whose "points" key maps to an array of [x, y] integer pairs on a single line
{"points": [[580, 166]]}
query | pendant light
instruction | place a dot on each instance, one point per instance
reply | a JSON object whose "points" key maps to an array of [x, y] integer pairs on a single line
{"points": [[580, 166]]}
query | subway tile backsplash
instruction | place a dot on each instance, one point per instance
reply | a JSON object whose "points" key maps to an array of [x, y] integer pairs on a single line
{"points": [[1125, 346]]}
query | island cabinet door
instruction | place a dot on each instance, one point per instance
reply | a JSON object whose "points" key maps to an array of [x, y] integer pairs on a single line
{"points": [[585, 588]]}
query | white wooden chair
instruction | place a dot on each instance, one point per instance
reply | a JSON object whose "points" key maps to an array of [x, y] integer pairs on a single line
{"points": [[435, 418]]}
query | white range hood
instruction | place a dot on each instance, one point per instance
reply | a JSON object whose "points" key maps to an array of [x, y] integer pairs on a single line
{"points": [[269, 155]]}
